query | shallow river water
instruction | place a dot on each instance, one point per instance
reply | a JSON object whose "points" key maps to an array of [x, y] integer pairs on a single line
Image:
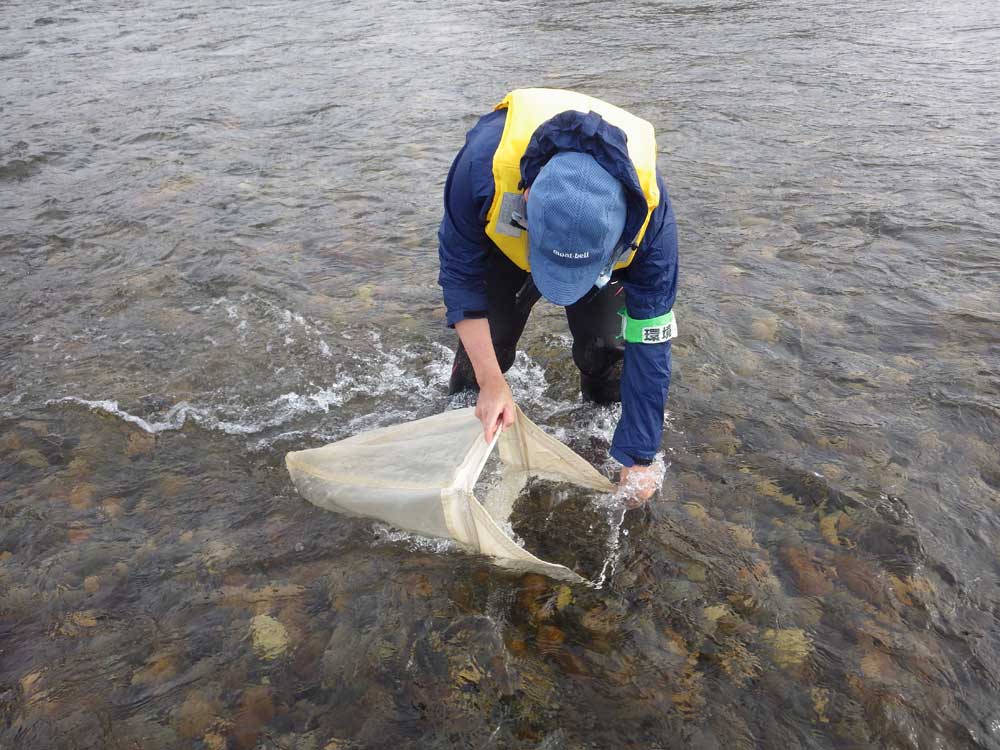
{"points": [[218, 243]]}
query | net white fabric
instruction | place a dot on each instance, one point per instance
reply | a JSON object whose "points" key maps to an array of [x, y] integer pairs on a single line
{"points": [[420, 476]]}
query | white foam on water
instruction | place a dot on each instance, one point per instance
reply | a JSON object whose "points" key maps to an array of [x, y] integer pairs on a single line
{"points": [[173, 420], [377, 372], [9, 400], [615, 505], [388, 535], [616, 515], [527, 382], [439, 369], [285, 321], [497, 489]]}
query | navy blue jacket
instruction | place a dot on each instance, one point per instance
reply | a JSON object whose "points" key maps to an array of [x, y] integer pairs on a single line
{"points": [[650, 280]]}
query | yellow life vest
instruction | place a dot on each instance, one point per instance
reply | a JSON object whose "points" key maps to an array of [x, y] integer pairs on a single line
{"points": [[529, 108]]}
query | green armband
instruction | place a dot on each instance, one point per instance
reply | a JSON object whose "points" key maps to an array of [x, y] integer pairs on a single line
{"points": [[649, 331]]}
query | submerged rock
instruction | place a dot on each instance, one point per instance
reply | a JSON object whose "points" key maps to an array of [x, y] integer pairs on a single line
{"points": [[80, 467], [764, 329], [821, 703], [810, 577], [10, 442], [828, 528], [768, 488], [535, 597], [696, 511], [876, 665], [862, 579], [695, 572], [789, 647], [269, 637], [688, 696], [84, 619], [31, 688], [140, 444], [806, 611], [214, 740], [159, 667], [738, 662], [911, 590], [112, 507], [721, 437], [549, 638], [603, 619], [33, 458], [198, 712], [82, 495], [244, 596], [742, 536], [78, 533], [256, 709], [173, 485]]}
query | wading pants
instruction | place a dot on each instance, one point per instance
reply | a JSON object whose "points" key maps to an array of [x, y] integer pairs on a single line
{"points": [[594, 323]]}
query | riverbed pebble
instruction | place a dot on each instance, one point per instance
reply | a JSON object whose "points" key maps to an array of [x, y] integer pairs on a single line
{"points": [[270, 638]]}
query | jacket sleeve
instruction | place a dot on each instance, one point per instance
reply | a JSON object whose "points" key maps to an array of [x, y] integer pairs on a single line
{"points": [[462, 240], [650, 288]]}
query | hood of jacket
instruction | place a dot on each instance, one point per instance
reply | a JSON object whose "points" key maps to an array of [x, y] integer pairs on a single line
{"points": [[590, 134]]}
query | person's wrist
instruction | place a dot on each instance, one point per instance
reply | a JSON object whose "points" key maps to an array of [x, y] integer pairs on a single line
{"points": [[622, 457], [492, 380]]}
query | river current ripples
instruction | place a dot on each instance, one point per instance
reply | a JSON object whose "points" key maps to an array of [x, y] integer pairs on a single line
{"points": [[218, 243]]}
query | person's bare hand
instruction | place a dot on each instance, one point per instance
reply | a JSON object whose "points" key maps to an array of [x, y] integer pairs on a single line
{"points": [[638, 483], [495, 407]]}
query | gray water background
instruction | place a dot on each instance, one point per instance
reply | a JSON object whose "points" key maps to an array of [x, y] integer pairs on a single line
{"points": [[217, 227]]}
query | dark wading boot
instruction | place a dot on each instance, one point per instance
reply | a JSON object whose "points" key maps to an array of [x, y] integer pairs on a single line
{"points": [[600, 390], [463, 377]]}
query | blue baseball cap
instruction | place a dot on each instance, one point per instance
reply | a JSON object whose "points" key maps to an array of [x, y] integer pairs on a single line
{"points": [[576, 216]]}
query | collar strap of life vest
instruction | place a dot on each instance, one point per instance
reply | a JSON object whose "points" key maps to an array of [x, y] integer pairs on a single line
{"points": [[656, 330], [619, 254]]}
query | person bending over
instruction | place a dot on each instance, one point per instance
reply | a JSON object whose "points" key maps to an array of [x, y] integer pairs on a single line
{"points": [[556, 194]]}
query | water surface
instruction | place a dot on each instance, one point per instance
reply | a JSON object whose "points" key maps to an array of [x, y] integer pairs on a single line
{"points": [[217, 244]]}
